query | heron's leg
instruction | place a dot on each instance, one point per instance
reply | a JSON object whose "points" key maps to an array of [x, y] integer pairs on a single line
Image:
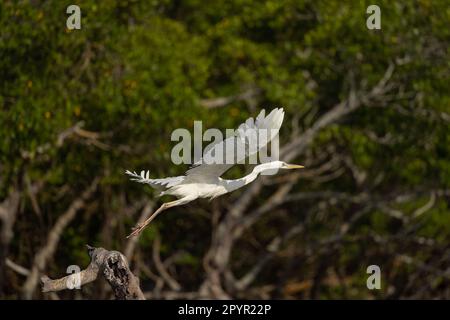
{"points": [[139, 227]]}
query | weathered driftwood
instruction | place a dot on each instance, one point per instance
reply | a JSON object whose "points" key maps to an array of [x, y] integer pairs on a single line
{"points": [[112, 265]]}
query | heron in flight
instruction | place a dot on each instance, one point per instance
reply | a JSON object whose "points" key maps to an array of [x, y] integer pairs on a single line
{"points": [[204, 180]]}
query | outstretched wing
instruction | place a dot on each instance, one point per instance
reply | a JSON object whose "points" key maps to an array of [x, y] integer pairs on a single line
{"points": [[246, 139], [163, 183]]}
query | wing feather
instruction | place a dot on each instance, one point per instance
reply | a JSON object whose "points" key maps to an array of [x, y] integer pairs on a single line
{"points": [[246, 136], [163, 183]]}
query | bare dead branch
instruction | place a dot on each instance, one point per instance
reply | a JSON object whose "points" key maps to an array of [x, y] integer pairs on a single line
{"points": [[76, 130], [173, 284], [8, 214], [132, 241], [223, 101], [17, 268], [46, 252], [112, 265], [418, 212]]}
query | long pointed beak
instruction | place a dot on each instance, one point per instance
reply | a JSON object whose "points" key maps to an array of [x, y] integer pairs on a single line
{"points": [[295, 166]]}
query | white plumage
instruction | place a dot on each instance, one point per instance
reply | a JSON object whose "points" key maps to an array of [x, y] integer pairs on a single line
{"points": [[203, 179]]}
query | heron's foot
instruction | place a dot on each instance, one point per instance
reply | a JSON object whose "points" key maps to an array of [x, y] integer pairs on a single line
{"points": [[137, 229]]}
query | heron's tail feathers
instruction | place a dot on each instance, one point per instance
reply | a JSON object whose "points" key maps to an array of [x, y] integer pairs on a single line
{"points": [[144, 177]]}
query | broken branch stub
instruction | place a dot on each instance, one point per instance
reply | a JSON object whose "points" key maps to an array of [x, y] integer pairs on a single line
{"points": [[112, 265]]}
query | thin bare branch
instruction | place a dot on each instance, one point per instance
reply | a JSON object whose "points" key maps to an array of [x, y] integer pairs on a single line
{"points": [[223, 101], [47, 251]]}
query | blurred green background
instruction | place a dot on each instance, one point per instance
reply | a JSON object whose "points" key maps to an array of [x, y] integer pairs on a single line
{"points": [[77, 105]]}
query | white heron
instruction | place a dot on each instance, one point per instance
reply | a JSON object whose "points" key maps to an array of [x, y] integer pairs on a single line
{"points": [[204, 180]]}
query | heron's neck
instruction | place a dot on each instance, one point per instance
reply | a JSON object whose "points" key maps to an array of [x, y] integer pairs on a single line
{"points": [[235, 184]]}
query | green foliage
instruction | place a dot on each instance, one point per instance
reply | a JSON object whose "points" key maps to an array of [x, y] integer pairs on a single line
{"points": [[137, 70]]}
